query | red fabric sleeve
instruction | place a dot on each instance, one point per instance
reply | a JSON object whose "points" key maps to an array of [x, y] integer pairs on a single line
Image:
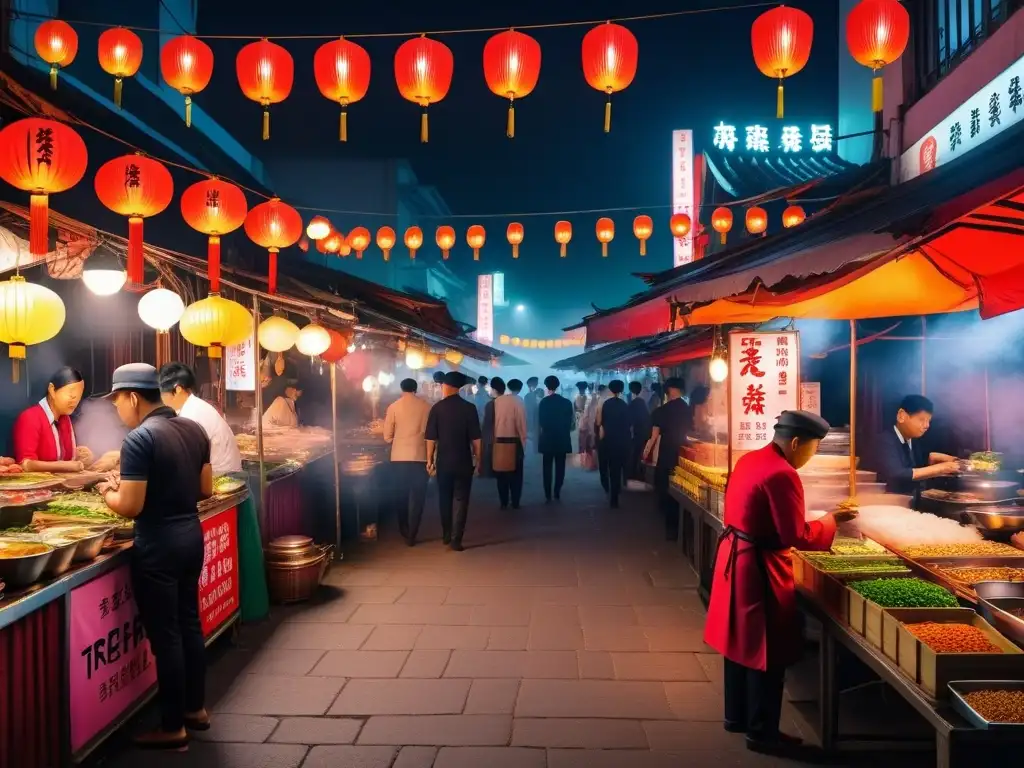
{"points": [[25, 434], [785, 495]]}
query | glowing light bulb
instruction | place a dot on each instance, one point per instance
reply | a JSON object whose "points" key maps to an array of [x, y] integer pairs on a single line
{"points": [[341, 66], [718, 370], [266, 69], [120, 52], [186, 61], [611, 56]]}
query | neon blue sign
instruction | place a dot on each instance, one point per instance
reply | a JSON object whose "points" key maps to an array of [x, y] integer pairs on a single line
{"points": [[790, 139]]}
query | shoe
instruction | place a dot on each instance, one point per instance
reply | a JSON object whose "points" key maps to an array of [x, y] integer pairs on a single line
{"points": [[779, 745], [410, 541], [558, 496], [201, 723], [160, 740], [547, 499], [503, 506], [615, 504], [456, 546], [732, 727], [447, 539]]}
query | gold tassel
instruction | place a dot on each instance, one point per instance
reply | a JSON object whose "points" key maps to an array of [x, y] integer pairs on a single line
{"points": [[877, 100], [343, 126], [515, 250], [608, 114], [643, 247], [780, 100], [53, 77], [15, 371], [266, 123], [424, 127], [188, 111], [723, 238], [562, 249], [604, 250], [510, 126], [118, 84]]}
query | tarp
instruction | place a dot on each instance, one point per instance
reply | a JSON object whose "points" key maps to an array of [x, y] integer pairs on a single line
{"points": [[663, 349]]}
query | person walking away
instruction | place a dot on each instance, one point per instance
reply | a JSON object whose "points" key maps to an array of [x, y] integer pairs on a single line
{"points": [[579, 407], [554, 436], [671, 425], [532, 400], [515, 386], [405, 427], [482, 397], [602, 458], [453, 444], [614, 423], [165, 472], [640, 427], [508, 417], [753, 620], [655, 399]]}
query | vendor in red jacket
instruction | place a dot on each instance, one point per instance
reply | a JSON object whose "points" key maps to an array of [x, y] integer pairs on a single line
{"points": [[43, 438], [752, 618]]}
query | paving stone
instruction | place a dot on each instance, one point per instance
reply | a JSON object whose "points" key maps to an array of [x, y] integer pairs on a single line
{"points": [[392, 637], [453, 638], [279, 695], [492, 697], [658, 666], [508, 639], [596, 665], [558, 596], [412, 577], [601, 616], [438, 730], [336, 611], [610, 758], [424, 596], [327, 637], [578, 733], [270, 661], [357, 577], [350, 757], [361, 664], [491, 757], [668, 616], [514, 664], [401, 697], [427, 615], [238, 728], [681, 735], [557, 637], [676, 640], [714, 667], [501, 615], [317, 730], [416, 757], [696, 701], [375, 595], [426, 664], [592, 699], [554, 615], [610, 638], [462, 595]]}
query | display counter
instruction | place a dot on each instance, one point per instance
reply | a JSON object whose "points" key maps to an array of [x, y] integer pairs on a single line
{"points": [[74, 660]]}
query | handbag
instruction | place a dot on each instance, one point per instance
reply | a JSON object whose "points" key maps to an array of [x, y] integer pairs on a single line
{"points": [[503, 454]]}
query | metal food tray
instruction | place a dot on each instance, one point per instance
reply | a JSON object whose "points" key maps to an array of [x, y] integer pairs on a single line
{"points": [[940, 566], [978, 502], [958, 688], [994, 597]]}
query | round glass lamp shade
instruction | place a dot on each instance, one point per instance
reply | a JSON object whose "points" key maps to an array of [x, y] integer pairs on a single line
{"points": [[29, 314], [718, 370], [215, 323], [161, 309], [104, 282], [277, 334], [313, 340], [414, 358]]}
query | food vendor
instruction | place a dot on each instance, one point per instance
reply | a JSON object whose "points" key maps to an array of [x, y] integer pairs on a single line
{"points": [[752, 617], [177, 390], [901, 464], [282, 412], [43, 438]]}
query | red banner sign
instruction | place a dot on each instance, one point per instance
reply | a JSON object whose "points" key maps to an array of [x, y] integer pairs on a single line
{"points": [[218, 583]]}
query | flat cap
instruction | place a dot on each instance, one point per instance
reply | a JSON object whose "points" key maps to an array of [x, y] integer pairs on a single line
{"points": [[455, 379], [803, 423], [133, 376]]}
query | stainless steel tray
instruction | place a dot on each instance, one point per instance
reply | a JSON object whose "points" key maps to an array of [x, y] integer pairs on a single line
{"points": [[958, 688], [995, 599], [971, 562]]}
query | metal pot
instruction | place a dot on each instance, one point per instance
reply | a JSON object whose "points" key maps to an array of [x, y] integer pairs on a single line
{"points": [[1003, 519], [90, 547], [987, 489], [24, 571], [295, 566], [291, 549]]}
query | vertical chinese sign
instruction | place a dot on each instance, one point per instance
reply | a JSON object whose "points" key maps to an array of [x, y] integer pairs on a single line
{"points": [[810, 396], [485, 309], [764, 381], [240, 374], [683, 193], [218, 582], [110, 664]]}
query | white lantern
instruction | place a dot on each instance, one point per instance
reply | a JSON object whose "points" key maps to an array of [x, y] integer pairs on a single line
{"points": [[369, 383], [718, 370], [313, 340], [277, 334], [161, 309], [414, 358], [103, 273]]}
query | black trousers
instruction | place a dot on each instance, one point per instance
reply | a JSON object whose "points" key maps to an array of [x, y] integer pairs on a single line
{"points": [[510, 484], [636, 460], [453, 502], [617, 459], [602, 464], [165, 579], [554, 463], [753, 699], [669, 507], [410, 478]]}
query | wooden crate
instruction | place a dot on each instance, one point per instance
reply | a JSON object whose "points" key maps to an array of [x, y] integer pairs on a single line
{"points": [[866, 616], [933, 671]]}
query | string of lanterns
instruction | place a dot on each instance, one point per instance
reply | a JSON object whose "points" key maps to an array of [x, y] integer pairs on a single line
{"points": [[781, 39], [563, 343]]}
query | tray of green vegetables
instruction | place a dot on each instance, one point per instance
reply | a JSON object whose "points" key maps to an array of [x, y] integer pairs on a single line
{"points": [[841, 566], [905, 593]]}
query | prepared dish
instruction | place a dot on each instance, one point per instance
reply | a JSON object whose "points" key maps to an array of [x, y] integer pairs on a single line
{"points": [[976, 549], [227, 484], [979, 574], [12, 548]]}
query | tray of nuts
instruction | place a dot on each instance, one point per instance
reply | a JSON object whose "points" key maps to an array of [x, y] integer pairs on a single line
{"points": [[974, 549], [989, 704]]}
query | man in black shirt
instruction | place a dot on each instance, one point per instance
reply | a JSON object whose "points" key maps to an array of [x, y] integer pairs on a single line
{"points": [[555, 420], [902, 466], [453, 445], [672, 423], [615, 431], [640, 419], [165, 472]]}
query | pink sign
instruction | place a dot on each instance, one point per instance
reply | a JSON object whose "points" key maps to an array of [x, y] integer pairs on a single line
{"points": [[110, 665]]}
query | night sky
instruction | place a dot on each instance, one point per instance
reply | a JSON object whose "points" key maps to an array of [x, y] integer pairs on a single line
{"points": [[693, 72]]}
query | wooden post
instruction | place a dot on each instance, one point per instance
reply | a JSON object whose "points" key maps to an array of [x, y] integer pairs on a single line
{"points": [[853, 410], [924, 353], [334, 444]]}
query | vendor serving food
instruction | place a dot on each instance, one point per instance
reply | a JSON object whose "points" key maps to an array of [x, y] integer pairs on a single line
{"points": [[43, 438], [902, 466]]}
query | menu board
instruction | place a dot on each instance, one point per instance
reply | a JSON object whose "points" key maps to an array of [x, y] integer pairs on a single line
{"points": [[218, 583], [240, 367], [764, 381], [810, 397]]}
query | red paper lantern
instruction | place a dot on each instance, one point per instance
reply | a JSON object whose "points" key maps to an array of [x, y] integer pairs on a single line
{"points": [[359, 239], [57, 44], [756, 220], [41, 157], [423, 72], [304, 244], [476, 236], [186, 63], [514, 235], [338, 349], [643, 228], [563, 234], [266, 73], [610, 55], [318, 228], [214, 207], [511, 69], [680, 225], [345, 248], [342, 72], [605, 234], [332, 243], [273, 225], [721, 222], [386, 240], [445, 239], [793, 216], [877, 33], [120, 54], [413, 240], [135, 186], [781, 40]]}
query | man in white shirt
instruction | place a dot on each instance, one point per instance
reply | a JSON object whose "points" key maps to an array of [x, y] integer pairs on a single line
{"points": [[405, 426], [282, 413], [177, 384]]}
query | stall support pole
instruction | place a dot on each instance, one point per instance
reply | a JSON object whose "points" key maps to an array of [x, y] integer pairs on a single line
{"points": [[334, 445], [988, 416], [261, 511], [924, 352], [853, 410]]}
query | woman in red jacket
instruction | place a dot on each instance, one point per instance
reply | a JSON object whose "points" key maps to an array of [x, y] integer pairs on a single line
{"points": [[43, 438], [752, 618]]}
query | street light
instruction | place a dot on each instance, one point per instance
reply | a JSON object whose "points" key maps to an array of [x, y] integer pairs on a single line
{"points": [[520, 307]]}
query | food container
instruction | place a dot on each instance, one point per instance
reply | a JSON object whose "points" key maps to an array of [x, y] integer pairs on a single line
{"points": [[997, 601], [958, 689], [23, 571], [295, 567], [988, 489], [89, 539], [933, 671], [1004, 519]]}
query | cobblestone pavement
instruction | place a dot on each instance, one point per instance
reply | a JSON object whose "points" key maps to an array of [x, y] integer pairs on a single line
{"points": [[567, 635]]}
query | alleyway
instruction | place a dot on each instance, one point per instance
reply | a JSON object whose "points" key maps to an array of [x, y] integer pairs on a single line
{"points": [[566, 635]]}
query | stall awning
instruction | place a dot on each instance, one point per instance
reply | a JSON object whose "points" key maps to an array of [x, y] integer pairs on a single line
{"points": [[662, 349]]}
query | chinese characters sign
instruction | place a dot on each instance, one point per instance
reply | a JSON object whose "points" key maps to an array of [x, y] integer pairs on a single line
{"points": [[789, 139], [110, 664], [682, 192], [810, 397], [240, 374], [764, 381], [218, 583], [485, 309], [989, 112]]}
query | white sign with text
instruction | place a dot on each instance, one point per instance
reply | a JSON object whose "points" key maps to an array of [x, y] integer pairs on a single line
{"points": [[764, 381]]}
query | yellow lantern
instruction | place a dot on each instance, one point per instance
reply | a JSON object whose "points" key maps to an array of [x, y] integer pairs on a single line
{"points": [[504, 338], [215, 323], [431, 360], [277, 334], [414, 358], [454, 357], [29, 314], [313, 340], [516, 341]]}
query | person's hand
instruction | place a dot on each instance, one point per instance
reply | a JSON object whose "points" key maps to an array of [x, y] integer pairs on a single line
{"points": [[84, 455], [431, 468], [845, 515], [76, 466], [949, 467]]}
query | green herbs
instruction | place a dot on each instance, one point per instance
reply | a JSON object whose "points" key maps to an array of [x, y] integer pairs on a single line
{"points": [[837, 564], [848, 546], [904, 593], [81, 510]]}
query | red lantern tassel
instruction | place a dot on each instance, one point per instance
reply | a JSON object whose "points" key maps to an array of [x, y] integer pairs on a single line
{"points": [[272, 275], [213, 263], [39, 225], [136, 261]]}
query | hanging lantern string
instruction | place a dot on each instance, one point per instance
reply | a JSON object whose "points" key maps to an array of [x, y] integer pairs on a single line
{"points": [[15, 13]]}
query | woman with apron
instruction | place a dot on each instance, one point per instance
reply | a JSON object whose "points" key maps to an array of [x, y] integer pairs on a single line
{"points": [[752, 617]]}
